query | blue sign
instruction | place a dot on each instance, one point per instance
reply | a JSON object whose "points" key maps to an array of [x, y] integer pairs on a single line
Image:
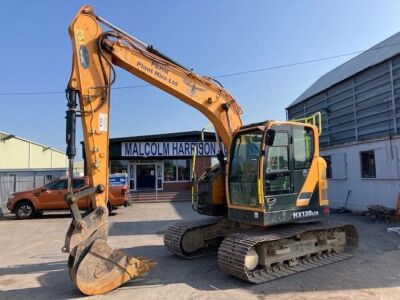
{"points": [[118, 179]]}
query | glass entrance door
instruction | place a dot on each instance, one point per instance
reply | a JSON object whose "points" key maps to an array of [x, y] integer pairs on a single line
{"points": [[132, 177], [159, 176], [146, 176]]}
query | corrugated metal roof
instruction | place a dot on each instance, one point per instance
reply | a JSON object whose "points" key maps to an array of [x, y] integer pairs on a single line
{"points": [[375, 55]]}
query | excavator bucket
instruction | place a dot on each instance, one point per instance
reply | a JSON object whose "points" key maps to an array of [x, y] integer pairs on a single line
{"points": [[94, 267], [103, 269]]}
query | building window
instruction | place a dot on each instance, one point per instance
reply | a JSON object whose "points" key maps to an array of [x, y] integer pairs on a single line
{"points": [[177, 170], [118, 166], [328, 160], [183, 168], [368, 169], [169, 170]]}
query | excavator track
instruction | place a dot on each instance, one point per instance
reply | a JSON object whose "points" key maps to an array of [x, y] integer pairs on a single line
{"points": [[234, 250], [174, 235]]}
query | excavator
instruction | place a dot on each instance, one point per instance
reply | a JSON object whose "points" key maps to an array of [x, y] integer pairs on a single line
{"points": [[266, 201]]}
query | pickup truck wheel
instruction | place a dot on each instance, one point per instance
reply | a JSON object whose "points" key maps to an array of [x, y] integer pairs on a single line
{"points": [[24, 210]]}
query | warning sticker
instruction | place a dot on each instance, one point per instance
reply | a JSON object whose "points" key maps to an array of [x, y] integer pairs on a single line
{"points": [[79, 36], [103, 118]]}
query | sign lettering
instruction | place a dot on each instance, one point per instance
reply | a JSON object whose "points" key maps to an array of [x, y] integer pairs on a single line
{"points": [[169, 149]]}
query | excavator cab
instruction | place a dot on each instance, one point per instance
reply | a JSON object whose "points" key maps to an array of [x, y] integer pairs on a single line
{"points": [[275, 175]]}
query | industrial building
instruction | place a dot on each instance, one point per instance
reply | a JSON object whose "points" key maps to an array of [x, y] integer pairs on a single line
{"points": [[26, 165], [360, 106]]}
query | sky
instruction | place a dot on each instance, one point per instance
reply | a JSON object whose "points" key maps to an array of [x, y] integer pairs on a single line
{"points": [[212, 37]]}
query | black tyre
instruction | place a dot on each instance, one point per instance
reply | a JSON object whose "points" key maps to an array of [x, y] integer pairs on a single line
{"points": [[24, 210]]}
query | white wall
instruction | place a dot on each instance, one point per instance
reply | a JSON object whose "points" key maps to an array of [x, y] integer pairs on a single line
{"points": [[346, 175]]}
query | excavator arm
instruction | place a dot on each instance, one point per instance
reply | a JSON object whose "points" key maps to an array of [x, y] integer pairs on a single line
{"points": [[96, 268]]}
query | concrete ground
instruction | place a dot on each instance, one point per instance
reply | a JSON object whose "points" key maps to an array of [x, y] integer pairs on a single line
{"points": [[33, 266]]}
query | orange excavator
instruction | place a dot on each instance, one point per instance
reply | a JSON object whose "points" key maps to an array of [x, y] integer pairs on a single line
{"points": [[266, 200]]}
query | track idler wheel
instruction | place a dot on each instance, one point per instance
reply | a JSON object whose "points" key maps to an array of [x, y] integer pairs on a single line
{"points": [[103, 269]]}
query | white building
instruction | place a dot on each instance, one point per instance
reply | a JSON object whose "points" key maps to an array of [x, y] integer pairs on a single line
{"points": [[360, 106]]}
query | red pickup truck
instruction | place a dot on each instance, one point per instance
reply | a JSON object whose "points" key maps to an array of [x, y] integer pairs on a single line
{"points": [[28, 204]]}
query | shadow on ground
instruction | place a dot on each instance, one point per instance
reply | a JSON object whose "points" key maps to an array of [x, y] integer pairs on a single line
{"points": [[54, 283]]}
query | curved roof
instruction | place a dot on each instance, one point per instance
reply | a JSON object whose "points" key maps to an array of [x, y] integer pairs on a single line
{"points": [[373, 56]]}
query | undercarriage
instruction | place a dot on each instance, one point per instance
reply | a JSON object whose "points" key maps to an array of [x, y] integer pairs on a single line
{"points": [[260, 255]]}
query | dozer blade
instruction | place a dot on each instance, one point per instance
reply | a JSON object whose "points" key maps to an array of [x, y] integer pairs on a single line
{"points": [[94, 267], [103, 269]]}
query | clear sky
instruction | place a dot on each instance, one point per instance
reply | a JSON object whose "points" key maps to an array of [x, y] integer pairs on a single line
{"points": [[212, 37]]}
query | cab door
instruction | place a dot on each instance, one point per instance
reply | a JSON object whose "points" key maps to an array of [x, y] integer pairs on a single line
{"points": [[287, 165], [302, 156], [278, 167]]}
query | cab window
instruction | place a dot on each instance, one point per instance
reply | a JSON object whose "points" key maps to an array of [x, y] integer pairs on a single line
{"points": [[303, 143], [277, 177]]}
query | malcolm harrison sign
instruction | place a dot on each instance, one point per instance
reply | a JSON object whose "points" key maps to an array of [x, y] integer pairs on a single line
{"points": [[157, 149]]}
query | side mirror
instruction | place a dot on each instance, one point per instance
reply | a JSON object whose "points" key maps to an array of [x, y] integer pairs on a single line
{"points": [[270, 137], [44, 189]]}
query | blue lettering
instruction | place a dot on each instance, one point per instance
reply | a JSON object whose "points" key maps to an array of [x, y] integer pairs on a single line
{"points": [[140, 149], [128, 149], [147, 148], [181, 151], [135, 149], [159, 152], [166, 149], [200, 150], [187, 149], [206, 149], [212, 148], [174, 149], [153, 149]]}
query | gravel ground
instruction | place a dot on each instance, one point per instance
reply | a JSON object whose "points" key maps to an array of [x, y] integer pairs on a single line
{"points": [[33, 266]]}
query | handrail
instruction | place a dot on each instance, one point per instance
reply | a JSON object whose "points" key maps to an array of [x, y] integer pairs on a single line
{"points": [[315, 119]]}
